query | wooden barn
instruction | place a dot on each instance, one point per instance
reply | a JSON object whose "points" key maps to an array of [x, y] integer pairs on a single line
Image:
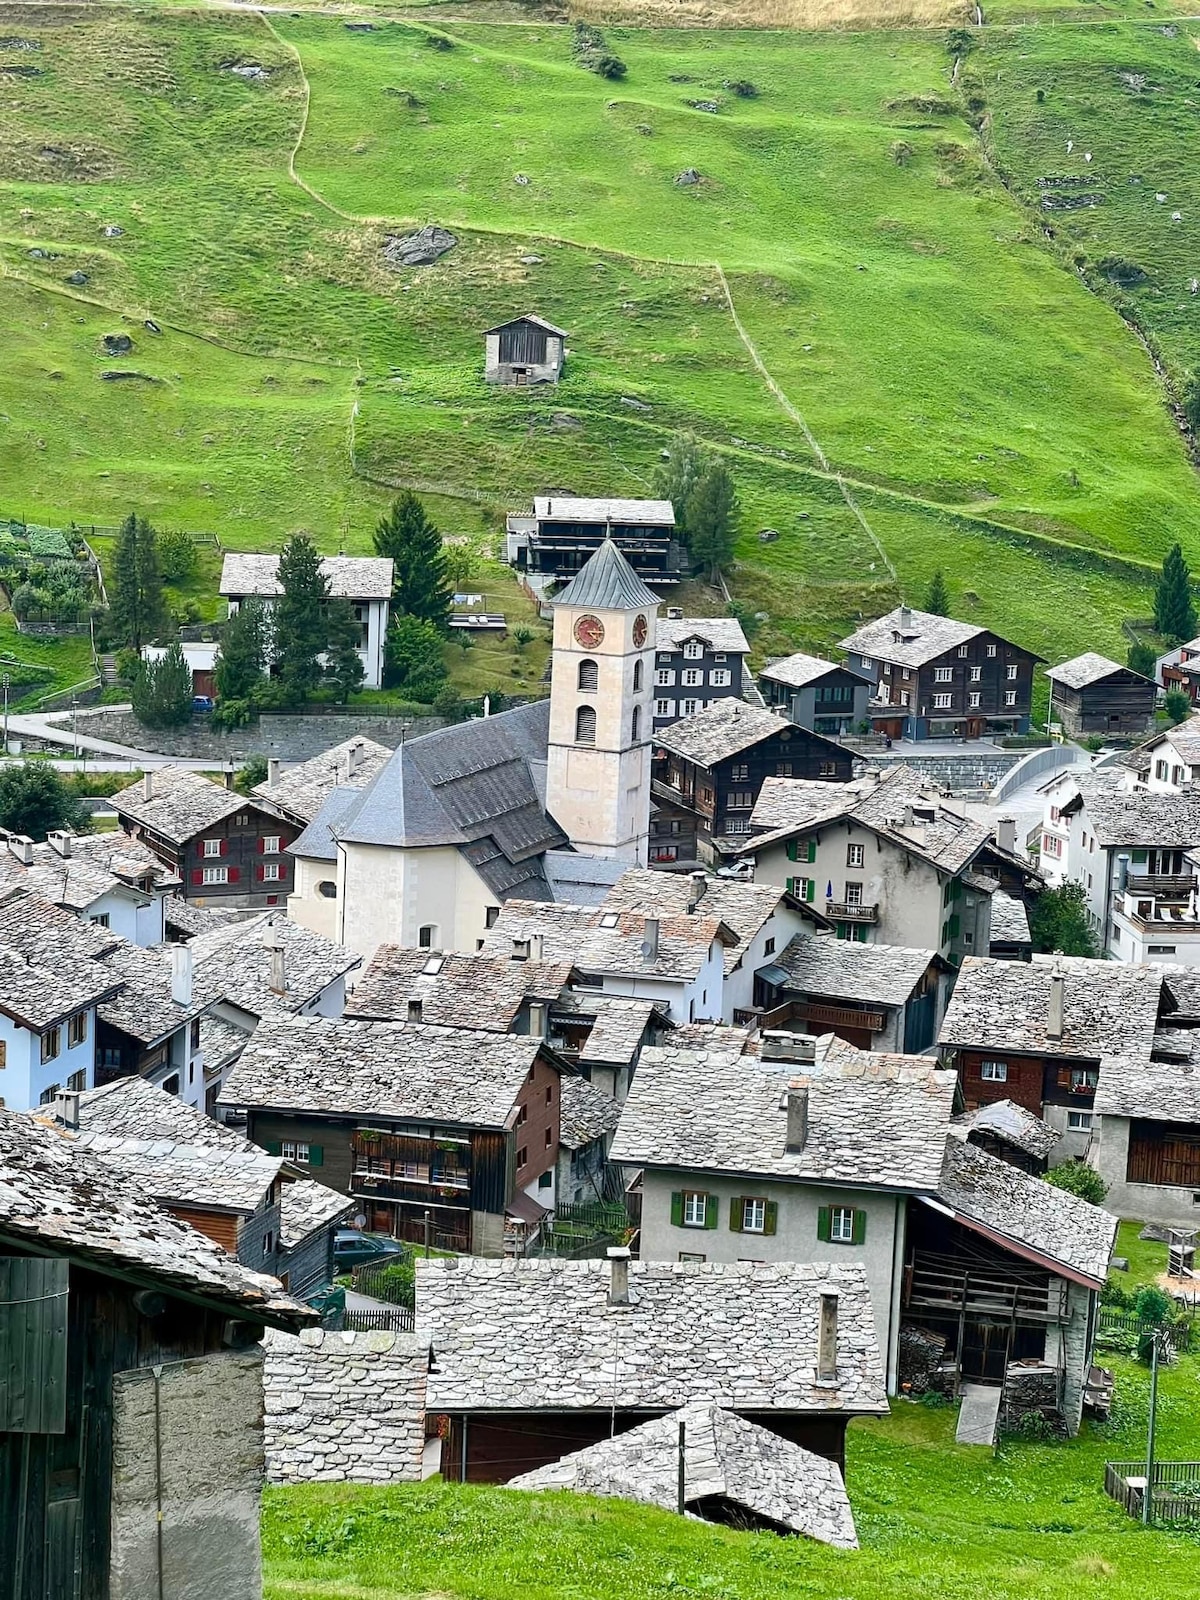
{"points": [[1091, 694], [525, 350], [131, 1442]]}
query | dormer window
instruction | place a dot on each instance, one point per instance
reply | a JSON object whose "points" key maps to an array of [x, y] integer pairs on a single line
{"points": [[693, 650]]}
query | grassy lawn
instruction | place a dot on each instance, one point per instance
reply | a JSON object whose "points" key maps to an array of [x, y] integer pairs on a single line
{"points": [[1147, 1258], [947, 1522]]}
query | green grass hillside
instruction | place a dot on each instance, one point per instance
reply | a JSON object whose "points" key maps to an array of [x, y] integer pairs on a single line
{"points": [[934, 1519], [903, 372]]}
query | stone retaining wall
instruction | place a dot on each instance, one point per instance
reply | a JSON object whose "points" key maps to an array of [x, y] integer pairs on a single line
{"points": [[291, 738], [344, 1407]]}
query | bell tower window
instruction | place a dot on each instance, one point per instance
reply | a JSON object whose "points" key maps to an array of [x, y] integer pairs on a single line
{"points": [[637, 679], [588, 676], [636, 728], [585, 725]]}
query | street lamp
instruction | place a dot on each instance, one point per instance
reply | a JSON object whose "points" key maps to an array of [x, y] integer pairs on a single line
{"points": [[6, 681], [1148, 1495], [74, 727]]}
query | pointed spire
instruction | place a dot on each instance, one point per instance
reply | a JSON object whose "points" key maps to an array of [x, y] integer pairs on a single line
{"points": [[606, 582]]}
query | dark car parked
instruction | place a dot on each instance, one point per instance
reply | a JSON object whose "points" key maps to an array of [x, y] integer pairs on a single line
{"points": [[354, 1249]]}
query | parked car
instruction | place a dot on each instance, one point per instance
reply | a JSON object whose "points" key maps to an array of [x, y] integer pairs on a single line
{"points": [[202, 702], [354, 1249]]}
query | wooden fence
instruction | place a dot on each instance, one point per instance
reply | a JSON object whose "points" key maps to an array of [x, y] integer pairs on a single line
{"points": [[1176, 1336], [395, 1320], [1175, 1488]]}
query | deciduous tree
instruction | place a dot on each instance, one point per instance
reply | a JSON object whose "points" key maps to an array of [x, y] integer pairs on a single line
{"points": [[1059, 922], [34, 799], [414, 654], [1077, 1178]]}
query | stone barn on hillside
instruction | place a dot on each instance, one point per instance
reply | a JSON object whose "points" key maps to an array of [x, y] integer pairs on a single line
{"points": [[526, 350]]}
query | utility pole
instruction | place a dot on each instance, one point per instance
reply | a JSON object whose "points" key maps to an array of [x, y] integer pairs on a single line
{"points": [[427, 1225], [682, 1464], [6, 680], [1148, 1496], [74, 726]]}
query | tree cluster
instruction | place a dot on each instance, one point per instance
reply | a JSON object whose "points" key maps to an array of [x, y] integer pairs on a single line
{"points": [[137, 608], [700, 487], [34, 799], [1058, 922]]}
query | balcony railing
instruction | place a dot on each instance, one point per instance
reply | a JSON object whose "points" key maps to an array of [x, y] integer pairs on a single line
{"points": [[849, 911], [1167, 885]]}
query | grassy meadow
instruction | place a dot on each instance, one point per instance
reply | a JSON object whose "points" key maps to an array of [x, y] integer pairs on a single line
{"points": [[986, 411]]}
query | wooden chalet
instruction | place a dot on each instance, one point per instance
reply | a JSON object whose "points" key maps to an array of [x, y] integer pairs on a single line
{"points": [[1091, 694], [524, 350]]}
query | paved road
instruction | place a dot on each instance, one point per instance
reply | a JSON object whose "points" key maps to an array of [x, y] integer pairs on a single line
{"points": [[55, 731]]}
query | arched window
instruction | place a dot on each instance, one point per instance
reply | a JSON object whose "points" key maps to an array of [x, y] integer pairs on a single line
{"points": [[585, 725], [427, 936], [637, 723], [588, 675], [637, 676]]}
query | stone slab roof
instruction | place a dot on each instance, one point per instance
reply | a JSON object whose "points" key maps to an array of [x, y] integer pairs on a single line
{"points": [[618, 1027], [539, 1335], [599, 940], [144, 1007], [60, 1197], [299, 792], [1082, 671], [457, 991], [1063, 1231], [718, 633], [182, 803], [37, 995], [1010, 920], [402, 1071], [585, 1113], [1011, 1124], [233, 963], [350, 577], [570, 508], [787, 805], [725, 1457], [743, 907], [798, 670], [607, 582], [1166, 821], [580, 880], [840, 969], [910, 637], [1160, 1091], [318, 840], [870, 1122], [306, 1206], [221, 1040], [529, 316], [98, 864], [187, 920], [725, 728], [1109, 1008]]}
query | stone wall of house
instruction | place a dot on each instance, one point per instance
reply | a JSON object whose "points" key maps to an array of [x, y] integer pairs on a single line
{"points": [[291, 738], [344, 1407]]}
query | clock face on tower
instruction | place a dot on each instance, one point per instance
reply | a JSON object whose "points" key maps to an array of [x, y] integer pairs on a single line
{"points": [[589, 632], [639, 632]]}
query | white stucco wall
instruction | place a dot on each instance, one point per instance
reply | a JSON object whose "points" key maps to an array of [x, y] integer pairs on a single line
{"points": [[310, 909], [24, 1077], [386, 895]]}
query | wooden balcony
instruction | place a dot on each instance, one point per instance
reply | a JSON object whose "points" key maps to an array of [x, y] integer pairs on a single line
{"points": [[983, 1293], [1167, 886], [849, 911]]}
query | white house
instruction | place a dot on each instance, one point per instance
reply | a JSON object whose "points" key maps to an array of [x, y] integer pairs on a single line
{"points": [[109, 879], [366, 581]]}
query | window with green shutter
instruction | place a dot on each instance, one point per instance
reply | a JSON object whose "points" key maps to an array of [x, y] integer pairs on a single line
{"points": [[793, 850], [692, 1208], [860, 1225], [840, 1224], [824, 1213], [677, 1208], [711, 1218], [771, 1217], [954, 924], [316, 1155], [811, 846], [736, 1208]]}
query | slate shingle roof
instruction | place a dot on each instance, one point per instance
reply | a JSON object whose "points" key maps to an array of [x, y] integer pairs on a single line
{"points": [[318, 840], [301, 791], [840, 969], [585, 1113], [1066, 1232], [878, 1122], [725, 1457], [182, 803], [234, 963], [539, 1334], [1010, 920], [799, 669], [1109, 1007], [144, 1007], [599, 941], [351, 577], [59, 1196], [618, 1028], [457, 991], [1082, 671], [787, 805], [99, 864], [529, 316], [572, 508], [606, 581], [1011, 1124], [405, 1071], [725, 728], [1159, 1091], [305, 1206], [743, 907], [1119, 818], [923, 637], [718, 633]]}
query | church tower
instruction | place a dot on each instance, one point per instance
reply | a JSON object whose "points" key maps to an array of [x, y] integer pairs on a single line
{"points": [[601, 691]]}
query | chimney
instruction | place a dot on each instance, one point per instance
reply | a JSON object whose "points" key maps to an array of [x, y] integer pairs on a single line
{"points": [[537, 1019], [650, 940], [272, 771], [227, 774], [1054, 1012], [181, 974], [274, 943], [618, 1288], [355, 754], [59, 840], [797, 1116], [520, 950], [537, 946], [780, 1044], [674, 613], [905, 617], [66, 1108], [1006, 834], [148, 784], [827, 1351], [21, 846], [697, 884], [414, 1009]]}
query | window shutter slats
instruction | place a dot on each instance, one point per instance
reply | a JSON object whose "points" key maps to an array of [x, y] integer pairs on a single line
{"points": [[770, 1217], [812, 850], [735, 1214], [710, 1211], [677, 1208], [792, 852], [824, 1223], [810, 888], [273, 1147], [860, 1225], [316, 1155]]}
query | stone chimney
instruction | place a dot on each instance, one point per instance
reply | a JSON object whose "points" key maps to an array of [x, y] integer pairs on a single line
{"points": [[274, 943], [537, 1019], [21, 846], [1055, 1009], [148, 784], [66, 1108], [618, 1287], [780, 1044], [1006, 834], [354, 755], [827, 1340], [650, 940], [227, 774], [59, 840], [797, 1116], [182, 963], [272, 770], [697, 885]]}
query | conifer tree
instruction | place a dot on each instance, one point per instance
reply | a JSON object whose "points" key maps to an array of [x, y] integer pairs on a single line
{"points": [[242, 657], [136, 608], [343, 640], [420, 585], [299, 619], [937, 597], [162, 690], [1174, 609], [149, 580], [679, 474], [711, 518]]}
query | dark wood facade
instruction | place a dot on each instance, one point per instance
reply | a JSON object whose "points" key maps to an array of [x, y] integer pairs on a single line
{"points": [[494, 1446], [719, 798], [1165, 1153], [1031, 1081], [964, 693], [1121, 703], [240, 860], [558, 548]]}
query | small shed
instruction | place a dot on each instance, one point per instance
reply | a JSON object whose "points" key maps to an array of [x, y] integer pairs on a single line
{"points": [[525, 350], [1091, 694]]}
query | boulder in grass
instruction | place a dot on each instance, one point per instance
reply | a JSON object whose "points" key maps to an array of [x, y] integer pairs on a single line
{"points": [[686, 178], [420, 249]]}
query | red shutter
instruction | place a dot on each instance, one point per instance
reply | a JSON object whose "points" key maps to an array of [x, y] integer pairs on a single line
{"points": [[224, 847], [197, 877], [260, 873], [234, 874], [262, 843]]}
